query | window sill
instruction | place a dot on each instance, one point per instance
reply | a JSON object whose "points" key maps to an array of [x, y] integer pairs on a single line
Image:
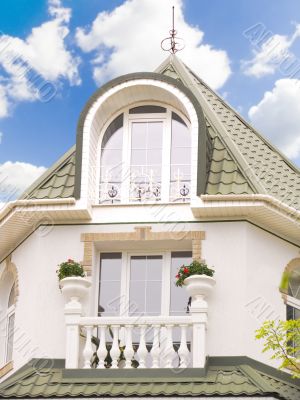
{"points": [[6, 368]]}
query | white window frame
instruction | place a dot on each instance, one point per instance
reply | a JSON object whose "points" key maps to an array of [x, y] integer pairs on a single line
{"points": [[9, 313], [125, 279], [293, 302], [166, 118]]}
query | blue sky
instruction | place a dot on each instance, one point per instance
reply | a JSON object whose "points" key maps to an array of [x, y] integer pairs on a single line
{"points": [[72, 47]]}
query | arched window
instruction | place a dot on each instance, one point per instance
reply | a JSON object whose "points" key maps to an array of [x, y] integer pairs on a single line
{"points": [[8, 289], [10, 325], [146, 157], [293, 298]]}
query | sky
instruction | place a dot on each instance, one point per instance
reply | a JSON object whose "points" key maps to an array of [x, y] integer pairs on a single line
{"points": [[55, 53]]}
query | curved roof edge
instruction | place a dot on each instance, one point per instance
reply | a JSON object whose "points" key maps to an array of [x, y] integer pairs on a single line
{"points": [[202, 130]]}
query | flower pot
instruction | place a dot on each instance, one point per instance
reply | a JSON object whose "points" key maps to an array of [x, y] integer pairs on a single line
{"points": [[199, 287], [74, 290]]}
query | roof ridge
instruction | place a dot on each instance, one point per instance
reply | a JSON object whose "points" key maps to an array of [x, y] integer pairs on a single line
{"points": [[264, 167], [185, 74], [244, 121]]}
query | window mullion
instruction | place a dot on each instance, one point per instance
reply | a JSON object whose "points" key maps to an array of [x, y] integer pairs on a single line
{"points": [[166, 158], [124, 295], [166, 284]]}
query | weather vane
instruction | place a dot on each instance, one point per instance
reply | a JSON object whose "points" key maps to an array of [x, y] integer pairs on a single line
{"points": [[172, 43]]}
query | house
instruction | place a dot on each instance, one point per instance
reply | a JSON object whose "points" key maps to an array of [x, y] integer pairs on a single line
{"points": [[163, 172]]}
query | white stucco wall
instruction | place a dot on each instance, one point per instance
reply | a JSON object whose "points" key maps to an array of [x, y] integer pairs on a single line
{"points": [[248, 263]]}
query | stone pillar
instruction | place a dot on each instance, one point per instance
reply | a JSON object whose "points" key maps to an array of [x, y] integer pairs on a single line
{"points": [[74, 290], [196, 249]]}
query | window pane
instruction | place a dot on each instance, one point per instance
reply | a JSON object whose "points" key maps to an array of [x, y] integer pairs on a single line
{"points": [[10, 337], [110, 284], [180, 161], [146, 159], [11, 299], [149, 109], [179, 297], [294, 283], [111, 162], [145, 285]]}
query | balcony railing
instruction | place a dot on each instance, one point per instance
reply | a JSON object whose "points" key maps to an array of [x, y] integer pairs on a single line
{"points": [[143, 342], [136, 342]]}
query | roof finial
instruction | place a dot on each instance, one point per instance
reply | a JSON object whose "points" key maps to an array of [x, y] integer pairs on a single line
{"points": [[172, 43]]}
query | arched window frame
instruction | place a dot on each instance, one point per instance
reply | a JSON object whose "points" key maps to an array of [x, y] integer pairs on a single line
{"points": [[10, 324], [292, 302], [128, 119]]}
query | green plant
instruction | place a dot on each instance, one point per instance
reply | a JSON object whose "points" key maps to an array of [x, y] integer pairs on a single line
{"points": [[282, 338], [69, 268], [195, 268]]}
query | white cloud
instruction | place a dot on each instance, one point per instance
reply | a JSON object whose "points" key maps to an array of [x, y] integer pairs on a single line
{"points": [[128, 39], [277, 116], [15, 177], [42, 56], [3, 102], [273, 53]]}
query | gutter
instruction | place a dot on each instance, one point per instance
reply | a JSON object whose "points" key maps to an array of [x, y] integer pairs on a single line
{"points": [[36, 202], [267, 199]]}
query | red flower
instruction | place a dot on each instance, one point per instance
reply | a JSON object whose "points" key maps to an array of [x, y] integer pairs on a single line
{"points": [[186, 270], [177, 276]]}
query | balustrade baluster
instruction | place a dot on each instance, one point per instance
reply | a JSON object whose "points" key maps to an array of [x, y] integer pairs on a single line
{"points": [[102, 350], [142, 350], [155, 351], [183, 350], [115, 350], [88, 348], [128, 352], [169, 352]]}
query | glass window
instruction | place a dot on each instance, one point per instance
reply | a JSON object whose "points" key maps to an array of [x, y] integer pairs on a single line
{"points": [[149, 109], [145, 285], [157, 164], [179, 298], [111, 162], [294, 283], [110, 284], [10, 324], [180, 160], [10, 336], [146, 161], [294, 291], [11, 299]]}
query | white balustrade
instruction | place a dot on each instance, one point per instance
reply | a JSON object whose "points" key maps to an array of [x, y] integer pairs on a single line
{"points": [[159, 350]]}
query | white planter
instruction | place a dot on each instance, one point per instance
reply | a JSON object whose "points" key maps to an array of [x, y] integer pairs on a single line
{"points": [[199, 287], [74, 290]]}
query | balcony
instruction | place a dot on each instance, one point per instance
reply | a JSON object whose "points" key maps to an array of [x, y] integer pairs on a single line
{"points": [[135, 341]]}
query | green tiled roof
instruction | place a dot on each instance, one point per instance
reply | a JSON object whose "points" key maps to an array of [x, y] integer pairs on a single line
{"points": [[224, 176], [276, 174], [232, 376], [57, 182], [240, 160], [264, 167]]}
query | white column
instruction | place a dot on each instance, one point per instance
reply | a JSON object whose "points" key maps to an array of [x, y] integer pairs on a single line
{"points": [[72, 337], [199, 318]]}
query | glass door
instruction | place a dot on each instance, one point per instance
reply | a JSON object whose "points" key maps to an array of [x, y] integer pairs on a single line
{"points": [[145, 286]]}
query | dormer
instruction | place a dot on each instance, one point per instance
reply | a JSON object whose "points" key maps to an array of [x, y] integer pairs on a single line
{"points": [[141, 138]]}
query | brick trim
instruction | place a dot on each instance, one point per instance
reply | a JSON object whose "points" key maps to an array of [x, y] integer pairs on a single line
{"points": [[10, 268], [6, 368], [140, 233]]}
